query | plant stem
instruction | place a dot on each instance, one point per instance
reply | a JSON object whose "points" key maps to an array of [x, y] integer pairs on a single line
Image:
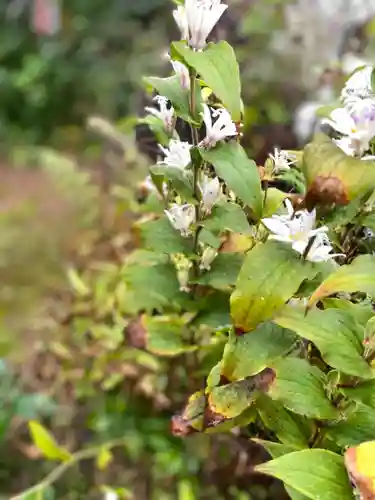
{"points": [[56, 474], [196, 166]]}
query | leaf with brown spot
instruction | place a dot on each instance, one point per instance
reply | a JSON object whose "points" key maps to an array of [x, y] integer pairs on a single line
{"points": [[332, 176]]}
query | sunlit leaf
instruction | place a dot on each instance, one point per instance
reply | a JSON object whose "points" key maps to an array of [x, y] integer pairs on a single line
{"points": [[359, 276], [46, 443], [317, 474], [217, 65], [232, 164], [262, 289], [334, 333]]}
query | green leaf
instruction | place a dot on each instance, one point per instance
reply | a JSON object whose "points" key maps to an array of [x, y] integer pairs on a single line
{"points": [[164, 335], [358, 427], [171, 88], [262, 288], [227, 216], [249, 354], [362, 393], [361, 313], [46, 443], [359, 276], [215, 312], [323, 158], [274, 200], [318, 474], [232, 164], [334, 333], [276, 450], [217, 65], [300, 388], [151, 287], [207, 238], [231, 400], [290, 429], [160, 237], [223, 273]]}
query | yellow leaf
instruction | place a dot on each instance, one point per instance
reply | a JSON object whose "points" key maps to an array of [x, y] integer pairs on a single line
{"points": [[360, 462], [46, 443], [104, 458]]}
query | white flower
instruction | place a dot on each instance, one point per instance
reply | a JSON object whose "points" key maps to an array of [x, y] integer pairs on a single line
{"points": [[208, 256], [359, 128], [346, 145], [298, 231], [164, 114], [197, 19], [183, 74], [223, 127], [320, 249], [178, 154], [110, 495], [181, 217], [211, 193], [281, 159], [357, 87]]}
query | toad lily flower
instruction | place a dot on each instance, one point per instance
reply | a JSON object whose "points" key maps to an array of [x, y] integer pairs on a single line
{"points": [[223, 127], [359, 128], [181, 217], [208, 256], [183, 74], [165, 114], [357, 87], [298, 231], [177, 156], [197, 19], [211, 193], [281, 160]]}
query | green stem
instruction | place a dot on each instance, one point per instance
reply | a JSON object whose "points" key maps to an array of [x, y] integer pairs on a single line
{"points": [[196, 166], [56, 474]]}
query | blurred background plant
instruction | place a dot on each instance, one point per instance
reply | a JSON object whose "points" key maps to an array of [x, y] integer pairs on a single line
{"points": [[70, 358]]}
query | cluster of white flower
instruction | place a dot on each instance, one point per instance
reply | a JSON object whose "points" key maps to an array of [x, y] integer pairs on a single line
{"points": [[196, 19], [355, 121], [297, 229]]}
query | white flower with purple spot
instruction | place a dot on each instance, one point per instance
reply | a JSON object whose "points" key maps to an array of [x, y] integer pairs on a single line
{"points": [[183, 74], [181, 217], [221, 129], [211, 193], [165, 114], [196, 19], [357, 87], [177, 156]]}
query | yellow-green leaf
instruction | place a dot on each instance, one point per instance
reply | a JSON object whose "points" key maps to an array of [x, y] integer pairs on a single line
{"points": [[104, 458], [318, 474], [218, 67], [46, 443], [359, 276], [271, 274]]}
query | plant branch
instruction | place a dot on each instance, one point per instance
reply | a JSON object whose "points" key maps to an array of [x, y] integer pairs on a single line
{"points": [[56, 474]]}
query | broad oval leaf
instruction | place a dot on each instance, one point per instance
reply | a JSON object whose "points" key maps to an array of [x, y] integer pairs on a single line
{"points": [[218, 67], [160, 237], [46, 443], [318, 474], [165, 335], [262, 288], [290, 429], [354, 428], [359, 276], [223, 273], [322, 158], [232, 164], [334, 333], [300, 388], [227, 216], [247, 355]]}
